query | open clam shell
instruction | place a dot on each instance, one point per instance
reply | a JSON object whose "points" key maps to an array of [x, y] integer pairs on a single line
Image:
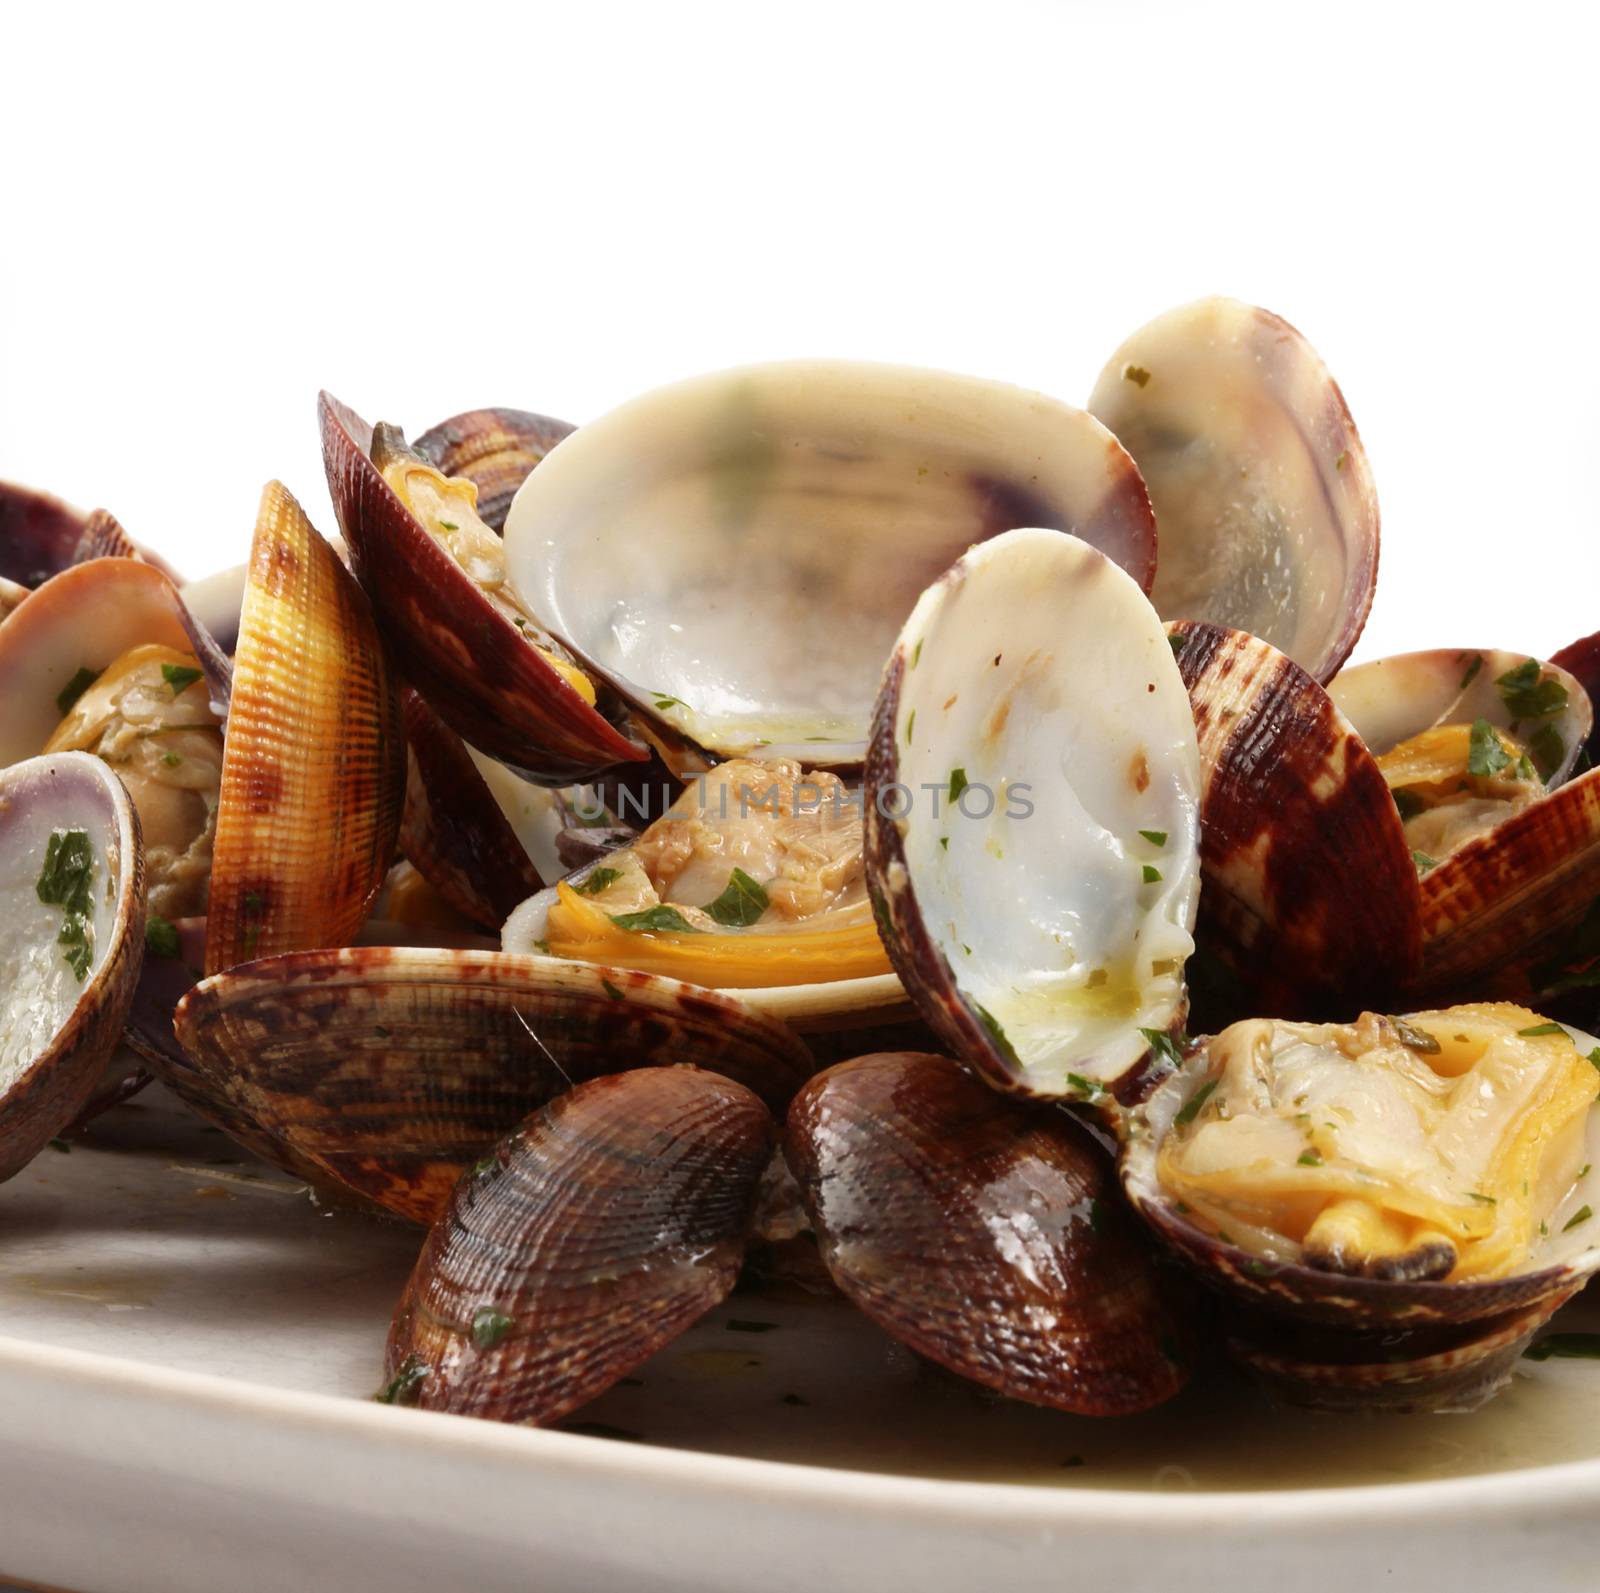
{"points": [[71, 939], [1310, 893], [39, 534], [1033, 815], [495, 449], [1339, 1341], [735, 553], [1581, 659], [986, 1233], [612, 1220], [388, 1070], [473, 665], [313, 772], [1263, 497]]}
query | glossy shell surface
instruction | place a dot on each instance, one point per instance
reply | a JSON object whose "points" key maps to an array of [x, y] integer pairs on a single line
{"points": [[495, 449]]}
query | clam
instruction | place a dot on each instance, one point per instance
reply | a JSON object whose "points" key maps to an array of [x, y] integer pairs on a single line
{"points": [[734, 554], [71, 877], [1392, 1207], [384, 1071], [986, 1233], [607, 1224], [437, 578], [1033, 790], [494, 449], [313, 770], [1264, 500], [40, 536], [753, 883]]}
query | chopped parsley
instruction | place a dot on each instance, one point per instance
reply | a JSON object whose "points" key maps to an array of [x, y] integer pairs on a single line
{"points": [[489, 1327], [1155, 837], [1088, 1088], [1424, 862], [916, 654], [1579, 1217], [1482, 1200], [1136, 374], [180, 677], [65, 882], [668, 919], [911, 725], [1539, 1029], [448, 525], [958, 784], [401, 1389], [1593, 1059], [1191, 1107], [1151, 874], [598, 881], [1415, 1039], [1486, 754], [1310, 1159], [664, 702], [172, 759], [997, 1034], [75, 688], [1547, 750], [1472, 673], [741, 903], [944, 842], [1528, 693], [160, 936], [1167, 1047]]}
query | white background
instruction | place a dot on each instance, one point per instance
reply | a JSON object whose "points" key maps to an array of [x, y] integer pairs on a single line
{"points": [[209, 214]]}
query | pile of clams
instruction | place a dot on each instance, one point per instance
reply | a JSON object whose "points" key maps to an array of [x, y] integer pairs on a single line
{"points": [[844, 811]]}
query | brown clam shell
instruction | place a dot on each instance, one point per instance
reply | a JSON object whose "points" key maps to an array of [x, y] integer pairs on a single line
{"points": [[39, 534], [39, 797], [390, 1069], [495, 449], [313, 771], [1264, 500], [453, 830], [605, 1226], [986, 1233], [1582, 659], [474, 666], [1310, 895]]}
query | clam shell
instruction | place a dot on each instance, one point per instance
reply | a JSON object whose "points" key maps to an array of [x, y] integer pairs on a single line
{"points": [[1263, 497], [390, 1069], [1310, 895], [453, 830], [600, 1230], [39, 534], [1035, 675], [984, 1232], [495, 449], [735, 553], [1338, 1342], [57, 1033], [474, 666], [85, 618], [313, 772], [1581, 659]]}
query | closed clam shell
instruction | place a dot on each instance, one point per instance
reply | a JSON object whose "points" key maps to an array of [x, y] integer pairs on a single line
{"points": [[607, 1224], [1264, 500], [391, 1069], [1032, 816], [473, 665], [735, 553], [1310, 895], [495, 449], [1336, 1341], [313, 772], [61, 1019], [984, 1232], [453, 830]]}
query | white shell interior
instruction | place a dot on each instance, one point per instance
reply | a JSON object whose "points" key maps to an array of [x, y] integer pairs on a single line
{"points": [[64, 792], [1041, 672], [1392, 699], [738, 551]]}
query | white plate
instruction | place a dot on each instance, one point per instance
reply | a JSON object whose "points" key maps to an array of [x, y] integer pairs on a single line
{"points": [[189, 1341]]}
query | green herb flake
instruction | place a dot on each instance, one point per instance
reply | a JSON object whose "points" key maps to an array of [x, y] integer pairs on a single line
{"points": [[1310, 1159], [486, 1164], [741, 903], [1528, 693], [1486, 754], [996, 1033], [172, 759], [1152, 874], [1415, 1039], [1565, 1346], [75, 688], [1472, 671], [65, 882], [661, 919], [916, 653], [958, 784], [1593, 1059], [1342, 460], [1578, 1218], [911, 726], [736, 1324], [1408, 803], [1547, 750], [944, 843], [448, 525], [664, 702], [1539, 1029], [489, 1327], [1136, 374], [1087, 1088], [401, 1389], [160, 936], [1169, 1048], [1176, 644], [598, 880], [1424, 863], [1191, 1107], [180, 677], [1155, 837], [1482, 1200]]}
